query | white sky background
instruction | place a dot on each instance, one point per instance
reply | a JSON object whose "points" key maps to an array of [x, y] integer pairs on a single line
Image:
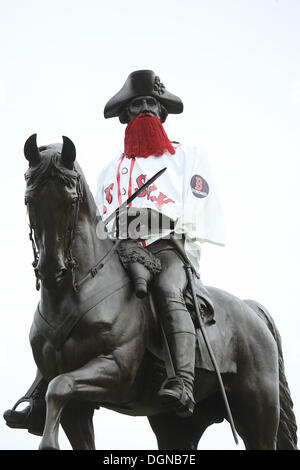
{"points": [[235, 64]]}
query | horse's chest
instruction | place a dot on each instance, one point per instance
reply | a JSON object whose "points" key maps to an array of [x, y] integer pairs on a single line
{"points": [[90, 338]]}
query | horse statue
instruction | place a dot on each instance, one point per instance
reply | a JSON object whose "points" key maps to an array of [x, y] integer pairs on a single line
{"points": [[97, 344]]}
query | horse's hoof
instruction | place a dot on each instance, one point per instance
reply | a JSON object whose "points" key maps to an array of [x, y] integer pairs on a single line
{"points": [[47, 448], [48, 445]]}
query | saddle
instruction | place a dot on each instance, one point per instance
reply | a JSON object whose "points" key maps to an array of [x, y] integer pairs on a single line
{"points": [[218, 327], [205, 304]]}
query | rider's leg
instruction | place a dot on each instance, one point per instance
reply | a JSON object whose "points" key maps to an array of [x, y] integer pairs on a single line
{"points": [[140, 264], [33, 416], [167, 289]]}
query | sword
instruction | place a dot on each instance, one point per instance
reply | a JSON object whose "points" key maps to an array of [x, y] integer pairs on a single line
{"points": [[133, 196], [189, 272]]}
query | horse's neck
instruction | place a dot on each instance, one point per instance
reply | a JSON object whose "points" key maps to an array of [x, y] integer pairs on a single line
{"points": [[87, 247]]}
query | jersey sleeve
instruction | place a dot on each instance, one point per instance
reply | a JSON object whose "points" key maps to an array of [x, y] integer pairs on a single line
{"points": [[202, 217]]}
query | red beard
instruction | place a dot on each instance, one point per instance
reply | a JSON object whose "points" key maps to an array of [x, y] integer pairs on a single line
{"points": [[145, 136]]}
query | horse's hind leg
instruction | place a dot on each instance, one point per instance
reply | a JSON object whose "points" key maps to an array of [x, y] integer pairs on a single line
{"points": [[175, 433], [256, 413], [77, 422]]}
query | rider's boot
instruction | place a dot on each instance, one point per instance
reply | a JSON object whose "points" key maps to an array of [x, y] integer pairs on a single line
{"points": [[33, 416], [177, 392]]}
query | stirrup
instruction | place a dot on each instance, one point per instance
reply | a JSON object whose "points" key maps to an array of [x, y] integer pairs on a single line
{"points": [[30, 395], [178, 381], [31, 418], [23, 400], [183, 404]]}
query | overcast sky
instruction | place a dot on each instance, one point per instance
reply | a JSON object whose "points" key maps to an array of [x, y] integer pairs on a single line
{"points": [[235, 64]]}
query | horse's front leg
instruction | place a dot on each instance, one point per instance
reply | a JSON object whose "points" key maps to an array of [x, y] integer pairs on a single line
{"points": [[105, 378]]}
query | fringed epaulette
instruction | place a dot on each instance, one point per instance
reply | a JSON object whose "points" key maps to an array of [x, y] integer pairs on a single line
{"points": [[130, 251]]}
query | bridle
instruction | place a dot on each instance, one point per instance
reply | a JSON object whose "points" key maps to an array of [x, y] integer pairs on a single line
{"points": [[35, 250], [72, 262]]}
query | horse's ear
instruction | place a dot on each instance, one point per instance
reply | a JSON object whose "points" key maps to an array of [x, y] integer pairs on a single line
{"points": [[31, 151], [68, 153]]}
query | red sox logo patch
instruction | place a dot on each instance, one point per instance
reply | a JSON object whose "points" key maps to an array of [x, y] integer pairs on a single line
{"points": [[199, 186]]}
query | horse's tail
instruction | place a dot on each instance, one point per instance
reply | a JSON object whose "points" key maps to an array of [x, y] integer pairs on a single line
{"points": [[287, 430]]}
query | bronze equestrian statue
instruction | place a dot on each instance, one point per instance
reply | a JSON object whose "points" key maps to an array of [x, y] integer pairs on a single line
{"points": [[115, 312]]}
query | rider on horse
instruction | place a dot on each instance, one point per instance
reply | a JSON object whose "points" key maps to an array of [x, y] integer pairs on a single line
{"points": [[183, 201]]}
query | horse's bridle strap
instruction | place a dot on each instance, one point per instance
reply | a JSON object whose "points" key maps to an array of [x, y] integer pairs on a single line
{"points": [[95, 269]]}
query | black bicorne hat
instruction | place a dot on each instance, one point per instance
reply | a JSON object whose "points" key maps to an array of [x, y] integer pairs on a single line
{"points": [[142, 83]]}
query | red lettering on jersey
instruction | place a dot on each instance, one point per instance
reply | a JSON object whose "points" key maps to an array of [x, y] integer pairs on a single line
{"points": [[151, 188], [161, 199], [104, 210], [108, 194], [140, 181]]}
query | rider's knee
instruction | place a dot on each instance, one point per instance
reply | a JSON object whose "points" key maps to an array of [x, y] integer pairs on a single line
{"points": [[168, 294], [170, 283]]}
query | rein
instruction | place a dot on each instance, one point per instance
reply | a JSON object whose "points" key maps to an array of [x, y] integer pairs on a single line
{"points": [[72, 262], [92, 272], [35, 254]]}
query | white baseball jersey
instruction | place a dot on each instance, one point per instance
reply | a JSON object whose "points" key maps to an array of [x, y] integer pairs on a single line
{"points": [[185, 193]]}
